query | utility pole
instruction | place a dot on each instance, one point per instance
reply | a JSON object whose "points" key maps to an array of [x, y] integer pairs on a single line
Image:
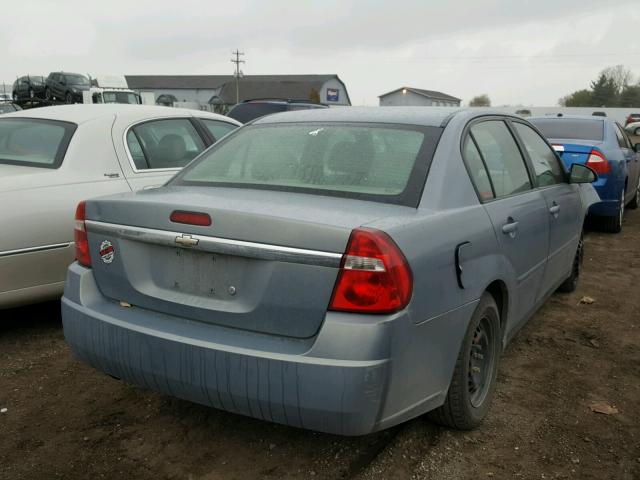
{"points": [[238, 73]]}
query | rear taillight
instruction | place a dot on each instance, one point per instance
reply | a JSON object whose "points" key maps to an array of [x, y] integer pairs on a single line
{"points": [[374, 275], [598, 162], [80, 236]]}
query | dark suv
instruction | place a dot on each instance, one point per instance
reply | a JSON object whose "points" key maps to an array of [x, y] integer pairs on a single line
{"points": [[28, 88], [251, 109], [66, 86]]}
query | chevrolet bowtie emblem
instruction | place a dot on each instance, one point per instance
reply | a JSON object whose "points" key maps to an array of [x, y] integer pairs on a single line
{"points": [[186, 241]]}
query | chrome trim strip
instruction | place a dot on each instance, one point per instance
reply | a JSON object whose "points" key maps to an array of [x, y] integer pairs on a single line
{"points": [[40, 248], [219, 245]]}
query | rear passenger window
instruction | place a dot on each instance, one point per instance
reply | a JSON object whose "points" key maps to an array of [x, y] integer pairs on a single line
{"points": [[170, 143], [477, 170], [623, 141], [218, 129], [34, 142], [504, 161], [545, 162]]}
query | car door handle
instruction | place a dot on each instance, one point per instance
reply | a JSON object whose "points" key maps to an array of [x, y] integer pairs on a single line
{"points": [[510, 228], [554, 210]]}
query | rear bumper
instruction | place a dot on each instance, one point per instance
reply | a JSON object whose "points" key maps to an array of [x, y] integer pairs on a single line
{"points": [[605, 208], [609, 204], [352, 378]]}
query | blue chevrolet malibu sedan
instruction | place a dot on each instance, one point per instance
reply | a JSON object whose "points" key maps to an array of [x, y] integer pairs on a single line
{"points": [[340, 270], [603, 145]]}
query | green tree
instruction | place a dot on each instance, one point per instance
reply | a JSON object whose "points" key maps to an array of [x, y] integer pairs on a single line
{"points": [[480, 101], [604, 91], [630, 96], [620, 76], [581, 98]]}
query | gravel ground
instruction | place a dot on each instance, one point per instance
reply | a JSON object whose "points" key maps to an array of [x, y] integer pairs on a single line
{"points": [[66, 420]]}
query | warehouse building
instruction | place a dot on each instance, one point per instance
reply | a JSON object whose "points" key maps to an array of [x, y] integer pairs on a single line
{"points": [[218, 92], [417, 97]]}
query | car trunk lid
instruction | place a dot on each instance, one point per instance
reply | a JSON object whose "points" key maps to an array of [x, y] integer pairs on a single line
{"points": [[571, 152], [267, 263]]}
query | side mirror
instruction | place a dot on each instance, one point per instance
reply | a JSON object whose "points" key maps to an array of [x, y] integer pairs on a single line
{"points": [[582, 174], [63, 81]]}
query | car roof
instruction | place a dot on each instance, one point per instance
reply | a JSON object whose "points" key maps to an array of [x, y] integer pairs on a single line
{"points": [[80, 113], [422, 116], [570, 117]]}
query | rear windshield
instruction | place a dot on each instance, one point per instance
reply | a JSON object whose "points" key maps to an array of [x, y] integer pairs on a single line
{"points": [[386, 163], [245, 112], [570, 128], [34, 142]]}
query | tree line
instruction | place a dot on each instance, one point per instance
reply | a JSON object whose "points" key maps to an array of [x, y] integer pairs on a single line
{"points": [[614, 87]]}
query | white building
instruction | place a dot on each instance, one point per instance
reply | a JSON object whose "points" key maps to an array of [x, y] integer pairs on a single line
{"points": [[417, 97]]}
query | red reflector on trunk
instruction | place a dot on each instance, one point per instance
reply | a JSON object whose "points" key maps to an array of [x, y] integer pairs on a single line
{"points": [[80, 236], [191, 218], [374, 275]]}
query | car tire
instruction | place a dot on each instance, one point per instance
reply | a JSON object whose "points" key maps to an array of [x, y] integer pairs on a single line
{"points": [[47, 94], [636, 199], [571, 283], [613, 224], [474, 378], [68, 97]]}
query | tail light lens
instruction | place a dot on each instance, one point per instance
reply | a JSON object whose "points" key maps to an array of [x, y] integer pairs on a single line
{"points": [[80, 236], [598, 162], [374, 275]]}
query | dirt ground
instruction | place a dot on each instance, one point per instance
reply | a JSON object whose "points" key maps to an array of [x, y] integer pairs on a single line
{"points": [[66, 420]]}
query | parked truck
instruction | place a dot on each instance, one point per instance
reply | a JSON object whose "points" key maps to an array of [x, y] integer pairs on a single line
{"points": [[111, 89]]}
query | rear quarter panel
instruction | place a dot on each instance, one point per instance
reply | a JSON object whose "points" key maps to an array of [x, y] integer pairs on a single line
{"points": [[39, 209]]}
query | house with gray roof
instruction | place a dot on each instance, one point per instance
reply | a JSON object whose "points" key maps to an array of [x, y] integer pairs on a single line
{"points": [[417, 97], [218, 92]]}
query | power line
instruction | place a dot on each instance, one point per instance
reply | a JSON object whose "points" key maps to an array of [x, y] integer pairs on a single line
{"points": [[238, 73]]}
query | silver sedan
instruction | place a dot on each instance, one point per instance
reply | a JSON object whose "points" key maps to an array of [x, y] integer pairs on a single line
{"points": [[50, 158], [341, 270]]}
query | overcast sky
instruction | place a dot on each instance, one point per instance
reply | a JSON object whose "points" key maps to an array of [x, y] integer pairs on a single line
{"points": [[517, 51]]}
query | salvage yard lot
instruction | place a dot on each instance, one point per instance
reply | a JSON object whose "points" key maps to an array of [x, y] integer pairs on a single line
{"points": [[66, 420]]}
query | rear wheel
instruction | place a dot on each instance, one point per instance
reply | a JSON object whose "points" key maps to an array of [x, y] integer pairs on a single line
{"points": [[69, 97], [636, 199], [613, 224], [571, 283], [474, 378]]}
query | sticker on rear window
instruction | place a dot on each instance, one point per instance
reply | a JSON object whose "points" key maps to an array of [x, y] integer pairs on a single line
{"points": [[107, 252]]}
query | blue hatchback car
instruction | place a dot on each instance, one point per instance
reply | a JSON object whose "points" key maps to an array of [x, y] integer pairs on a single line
{"points": [[602, 144]]}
